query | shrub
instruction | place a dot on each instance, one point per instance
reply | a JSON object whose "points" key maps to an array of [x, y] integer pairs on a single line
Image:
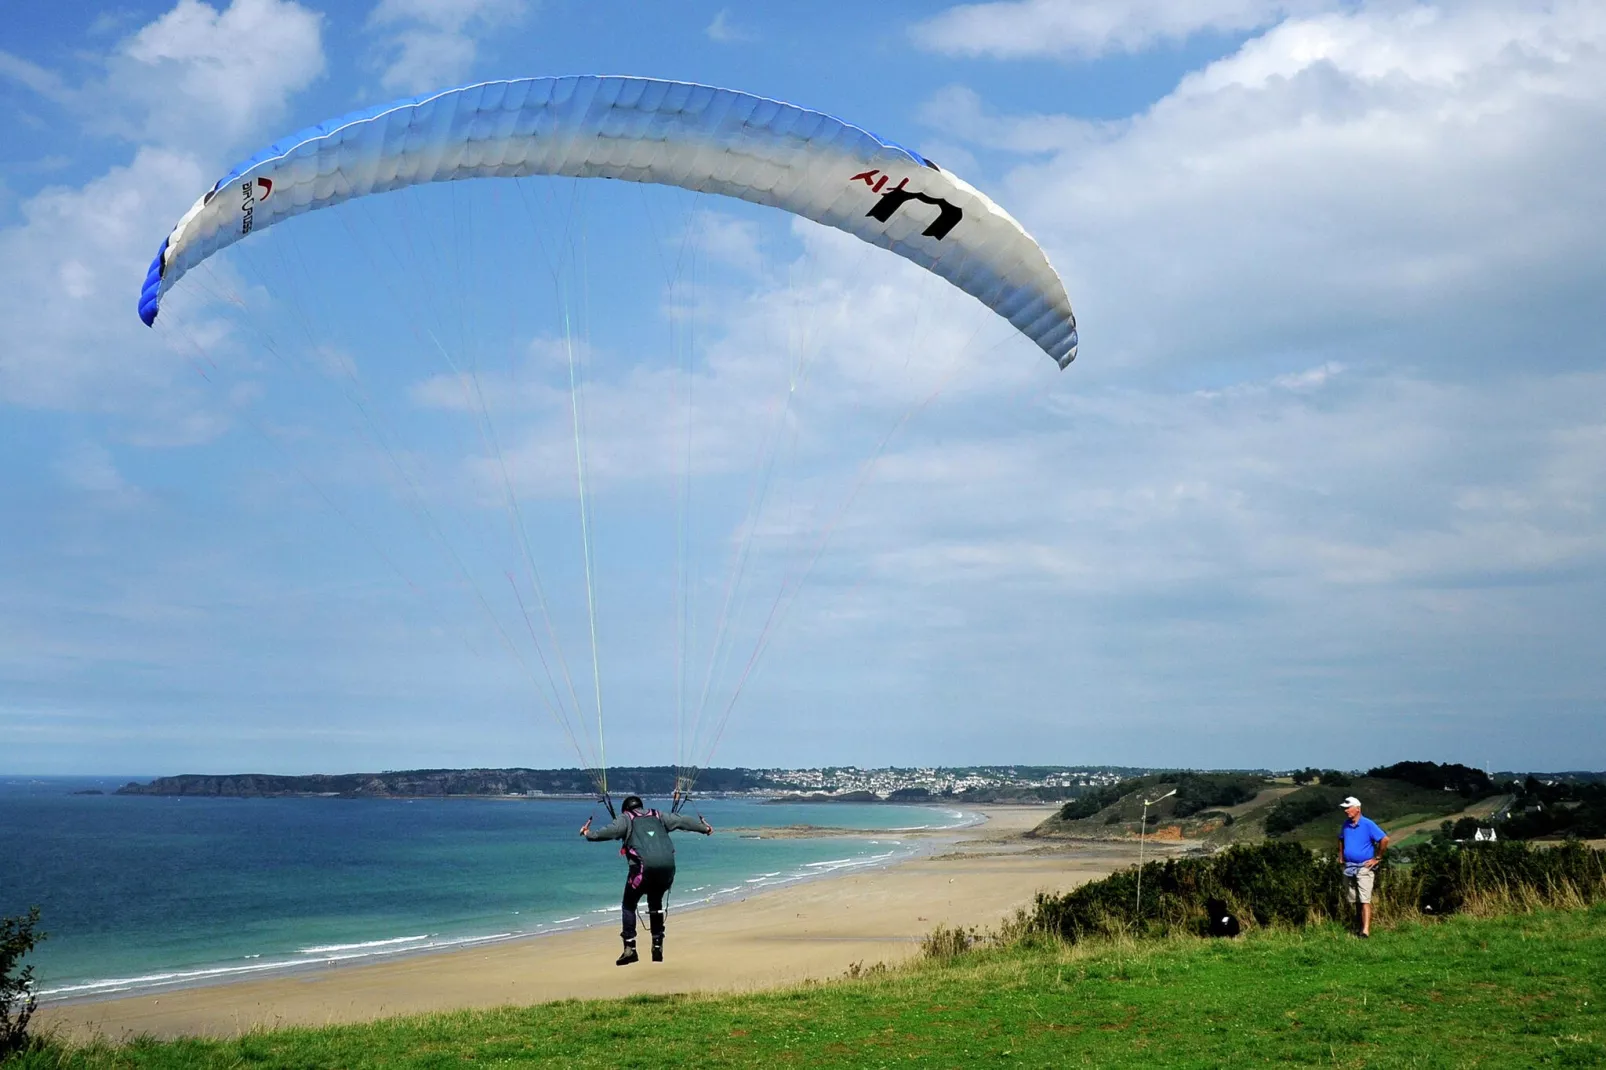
{"points": [[1097, 799], [1272, 883], [1330, 777], [1500, 877], [18, 935], [1558, 808], [1471, 783], [1304, 805], [1196, 792], [1280, 883], [945, 943]]}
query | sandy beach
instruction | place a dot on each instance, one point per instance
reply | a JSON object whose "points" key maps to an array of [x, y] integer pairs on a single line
{"points": [[815, 930]]}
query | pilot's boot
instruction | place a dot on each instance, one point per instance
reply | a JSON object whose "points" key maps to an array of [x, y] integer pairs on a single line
{"points": [[657, 920], [629, 954]]}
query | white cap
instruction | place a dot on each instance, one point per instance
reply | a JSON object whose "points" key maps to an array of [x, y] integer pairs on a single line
{"points": [[1349, 802]]}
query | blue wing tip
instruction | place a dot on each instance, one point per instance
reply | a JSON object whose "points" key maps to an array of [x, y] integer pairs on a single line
{"points": [[150, 295]]}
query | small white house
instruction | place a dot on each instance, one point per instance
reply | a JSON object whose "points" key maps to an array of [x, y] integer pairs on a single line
{"points": [[1483, 836]]}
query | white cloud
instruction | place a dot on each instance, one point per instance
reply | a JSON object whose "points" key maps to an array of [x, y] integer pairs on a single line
{"points": [[201, 78], [90, 468], [193, 85], [1381, 547], [828, 350], [1333, 446], [75, 253], [212, 78], [723, 31], [959, 112], [46, 83], [1014, 29], [1399, 175], [731, 241], [432, 44]]}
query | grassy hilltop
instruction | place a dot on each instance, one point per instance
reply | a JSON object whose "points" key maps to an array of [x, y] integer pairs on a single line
{"points": [[1525, 990], [1226, 808]]}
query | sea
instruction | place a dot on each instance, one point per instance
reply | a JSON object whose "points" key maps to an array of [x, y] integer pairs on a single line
{"points": [[142, 893]]}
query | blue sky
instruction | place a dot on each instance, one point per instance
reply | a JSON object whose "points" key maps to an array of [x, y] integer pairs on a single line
{"points": [[1327, 484]]}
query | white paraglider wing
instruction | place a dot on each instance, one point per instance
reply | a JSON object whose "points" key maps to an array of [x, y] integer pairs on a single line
{"points": [[643, 130]]}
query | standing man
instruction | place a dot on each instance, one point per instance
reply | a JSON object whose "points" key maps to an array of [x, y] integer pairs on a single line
{"points": [[1361, 844], [652, 866]]}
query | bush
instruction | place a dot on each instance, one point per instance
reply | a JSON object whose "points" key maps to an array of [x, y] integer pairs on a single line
{"points": [[1093, 801], [1332, 778], [945, 943], [1271, 883], [1196, 792], [1304, 805], [1469, 782], [1559, 808], [1279, 883], [18, 935], [1500, 877]]}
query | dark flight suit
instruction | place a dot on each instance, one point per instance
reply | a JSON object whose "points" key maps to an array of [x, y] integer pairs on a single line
{"points": [[652, 862]]}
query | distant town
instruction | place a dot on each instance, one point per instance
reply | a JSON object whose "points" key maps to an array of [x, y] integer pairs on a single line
{"points": [[1051, 783], [848, 783]]}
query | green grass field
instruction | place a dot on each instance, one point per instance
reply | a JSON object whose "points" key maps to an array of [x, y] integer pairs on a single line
{"points": [[1522, 990]]}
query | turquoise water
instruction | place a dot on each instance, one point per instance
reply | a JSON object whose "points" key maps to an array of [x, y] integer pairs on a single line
{"points": [[145, 892]]}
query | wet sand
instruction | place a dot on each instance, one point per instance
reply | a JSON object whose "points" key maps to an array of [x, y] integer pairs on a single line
{"points": [[815, 930]]}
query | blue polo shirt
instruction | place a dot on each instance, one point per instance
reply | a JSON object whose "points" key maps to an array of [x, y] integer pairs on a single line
{"points": [[1360, 839]]}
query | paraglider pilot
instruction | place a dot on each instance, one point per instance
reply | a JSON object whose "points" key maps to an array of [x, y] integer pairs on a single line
{"points": [[652, 865]]}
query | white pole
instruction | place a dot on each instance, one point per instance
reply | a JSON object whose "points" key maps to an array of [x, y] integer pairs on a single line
{"points": [[1142, 828]]}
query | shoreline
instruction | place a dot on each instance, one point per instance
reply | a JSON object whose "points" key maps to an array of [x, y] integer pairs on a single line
{"points": [[815, 927], [427, 945], [905, 844]]}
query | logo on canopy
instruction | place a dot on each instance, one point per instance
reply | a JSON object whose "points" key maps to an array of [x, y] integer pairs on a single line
{"points": [[948, 214], [249, 199]]}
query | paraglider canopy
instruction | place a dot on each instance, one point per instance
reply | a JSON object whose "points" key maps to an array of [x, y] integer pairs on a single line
{"points": [[642, 130]]}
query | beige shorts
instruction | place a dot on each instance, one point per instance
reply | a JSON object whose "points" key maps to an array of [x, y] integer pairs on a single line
{"points": [[1358, 886]]}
